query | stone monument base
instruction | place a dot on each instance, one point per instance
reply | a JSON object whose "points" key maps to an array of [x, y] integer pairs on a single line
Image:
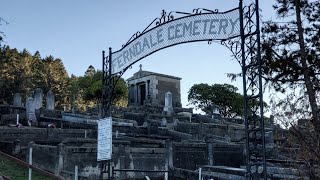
{"points": [[152, 102]]}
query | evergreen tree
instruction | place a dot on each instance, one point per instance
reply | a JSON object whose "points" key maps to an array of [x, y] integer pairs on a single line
{"points": [[292, 67], [291, 55], [56, 79]]}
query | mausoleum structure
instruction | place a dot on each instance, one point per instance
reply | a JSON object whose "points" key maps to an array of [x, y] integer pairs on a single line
{"points": [[149, 88]]}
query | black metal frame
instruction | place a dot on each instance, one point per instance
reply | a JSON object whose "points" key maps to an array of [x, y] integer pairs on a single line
{"points": [[107, 89], [246, 50]]}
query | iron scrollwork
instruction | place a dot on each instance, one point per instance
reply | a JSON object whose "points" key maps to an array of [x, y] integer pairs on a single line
{"points": [[203, 10], [234, 45], [166, 17]]}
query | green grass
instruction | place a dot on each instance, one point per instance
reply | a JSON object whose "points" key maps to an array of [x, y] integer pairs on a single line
{"points": [[16, 172]]}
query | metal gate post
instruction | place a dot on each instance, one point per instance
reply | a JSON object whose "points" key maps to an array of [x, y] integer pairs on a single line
{"points": [[252, 91]]}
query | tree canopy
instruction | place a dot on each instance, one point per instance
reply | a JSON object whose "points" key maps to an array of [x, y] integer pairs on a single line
{"points": [[90, 88], [21, 72], [203, 96], [2, 35], [291, 52]]}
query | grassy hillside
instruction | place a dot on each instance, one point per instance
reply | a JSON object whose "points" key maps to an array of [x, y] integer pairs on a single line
{"points": [[17, 172]]}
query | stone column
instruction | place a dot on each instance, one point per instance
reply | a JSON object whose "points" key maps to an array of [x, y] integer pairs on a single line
{"points": [[168, 103], [38, 98], [169, 154], [122, 160], [17, 100], [210, 154], [50, 100], [135, 94], [17, 147], [61, 155], [147, 89], [131, 97], [129, 94], [138, 94], [100, 109]]}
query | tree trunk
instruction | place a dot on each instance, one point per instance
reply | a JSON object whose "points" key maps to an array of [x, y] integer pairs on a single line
{"points": [[306, 72]]}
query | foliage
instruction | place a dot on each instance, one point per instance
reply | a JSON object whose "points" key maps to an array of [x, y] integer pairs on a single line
{"points": [[120, 92], [292, 67], [86, 90], [91, 84], [2, 34], [55, 79], [203, 96], [284, 69], [21, 72]]}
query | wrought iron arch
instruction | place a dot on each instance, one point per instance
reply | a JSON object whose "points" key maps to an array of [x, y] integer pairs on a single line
{"points": [[245, 49]]}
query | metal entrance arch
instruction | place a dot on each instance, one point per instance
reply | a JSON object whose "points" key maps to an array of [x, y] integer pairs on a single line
{"points": [[240, 33]]}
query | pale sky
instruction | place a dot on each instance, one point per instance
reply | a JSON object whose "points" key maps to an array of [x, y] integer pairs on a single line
{"points": [[76, 31]]}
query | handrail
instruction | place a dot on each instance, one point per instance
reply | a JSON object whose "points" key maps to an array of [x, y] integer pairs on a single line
{"points": [[4, 177]]}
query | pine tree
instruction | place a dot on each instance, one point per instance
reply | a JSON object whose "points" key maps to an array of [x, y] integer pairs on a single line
{"points": [[292, 67]]}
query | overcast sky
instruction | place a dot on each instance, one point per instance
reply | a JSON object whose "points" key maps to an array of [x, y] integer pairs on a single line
{"points": [[76, 31]]}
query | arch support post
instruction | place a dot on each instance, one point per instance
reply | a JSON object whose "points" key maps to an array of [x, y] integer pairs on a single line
{"points": [[107, 88], [251, 64]]}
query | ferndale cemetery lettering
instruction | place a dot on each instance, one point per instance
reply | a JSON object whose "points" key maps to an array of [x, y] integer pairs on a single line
{"points": [[193, 28]]}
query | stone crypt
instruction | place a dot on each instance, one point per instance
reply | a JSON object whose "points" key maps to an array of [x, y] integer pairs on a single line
{"points": [[149, 88]]}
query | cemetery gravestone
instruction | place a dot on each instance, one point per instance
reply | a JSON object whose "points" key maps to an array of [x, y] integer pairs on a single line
{"points": [[50, 100], [30, 109], [38, 98], [163, 122], [215, 112], [17, 100], [168, 103]]}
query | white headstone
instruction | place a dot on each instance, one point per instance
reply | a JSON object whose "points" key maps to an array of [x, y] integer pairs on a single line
{"points": [[17, 100], [30, 109], [50, 100], [215, 112], [73, 110], [168, 103], [38, 98], [145, 124], [163, 122]]}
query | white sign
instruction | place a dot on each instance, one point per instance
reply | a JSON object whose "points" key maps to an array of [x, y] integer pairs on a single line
{"points": [[197, 27], [104, 151]]}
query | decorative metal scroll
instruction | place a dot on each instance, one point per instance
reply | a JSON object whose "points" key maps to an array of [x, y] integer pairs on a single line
{"points": [[166, 31], [107, 85]]}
